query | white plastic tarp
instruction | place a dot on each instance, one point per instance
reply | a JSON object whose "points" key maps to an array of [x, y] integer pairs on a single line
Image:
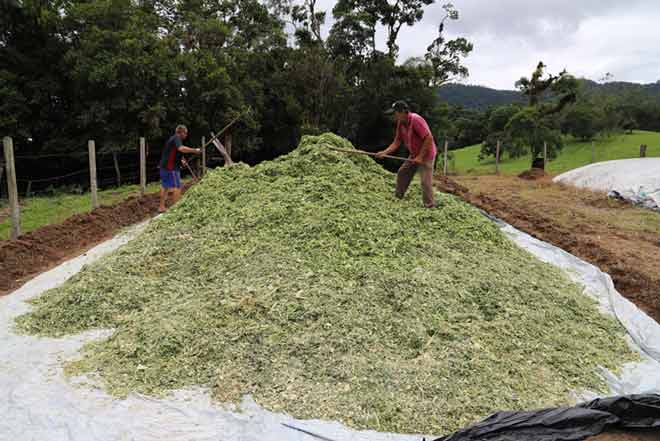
{"points": [[37, 402], [636, 180]]}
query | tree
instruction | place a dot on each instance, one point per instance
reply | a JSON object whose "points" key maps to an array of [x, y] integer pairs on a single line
{"points": [[530, 130], [126, 77], [582, 121], [445, 57], [356, 22], [562, 86], [537, 124], [394, 15], [498, 119], [34, 101]]}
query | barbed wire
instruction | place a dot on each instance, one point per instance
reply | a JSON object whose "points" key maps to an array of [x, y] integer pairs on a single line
{"points": [[75, 155]]}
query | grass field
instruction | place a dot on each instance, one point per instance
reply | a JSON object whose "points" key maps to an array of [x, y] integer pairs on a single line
{"points": [[574, 155], [44, 210]]}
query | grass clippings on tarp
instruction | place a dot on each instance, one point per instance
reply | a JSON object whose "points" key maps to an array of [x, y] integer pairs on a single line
{"points": [[305, 283]]}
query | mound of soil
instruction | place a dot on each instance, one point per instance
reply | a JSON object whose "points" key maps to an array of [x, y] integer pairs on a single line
{"points": [[42, 249], [533, 174]]}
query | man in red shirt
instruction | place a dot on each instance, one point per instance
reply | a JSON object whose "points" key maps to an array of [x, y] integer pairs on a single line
{"points": [[414, 132]]}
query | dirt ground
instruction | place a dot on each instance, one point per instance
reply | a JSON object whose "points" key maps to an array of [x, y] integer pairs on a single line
{"points": [[652, 435], [620, 239], [46, 247]]}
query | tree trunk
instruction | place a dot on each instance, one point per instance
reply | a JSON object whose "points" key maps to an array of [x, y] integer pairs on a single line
{"points": [[2, 172], [117, 171]]}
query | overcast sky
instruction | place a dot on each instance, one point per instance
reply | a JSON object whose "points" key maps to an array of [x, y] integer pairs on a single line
{"points": [[587, 37]]}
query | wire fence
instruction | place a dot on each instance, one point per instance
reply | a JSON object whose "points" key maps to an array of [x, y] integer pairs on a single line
{"points": [[48, 173]]}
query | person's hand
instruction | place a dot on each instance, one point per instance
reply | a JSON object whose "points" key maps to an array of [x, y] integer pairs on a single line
{"points": [[199, 151], [381, 154], [417, 160], [184, 162]]}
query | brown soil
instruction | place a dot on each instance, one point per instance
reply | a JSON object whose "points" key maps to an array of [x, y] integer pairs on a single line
{"points": [[44, 248], [532, 175], [621, 240]]}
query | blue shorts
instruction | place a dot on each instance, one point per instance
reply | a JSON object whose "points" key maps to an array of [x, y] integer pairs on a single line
{"points": [[170, 178]]}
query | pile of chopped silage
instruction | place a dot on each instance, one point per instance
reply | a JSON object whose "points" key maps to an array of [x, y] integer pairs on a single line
{"points": [[305, 283]]}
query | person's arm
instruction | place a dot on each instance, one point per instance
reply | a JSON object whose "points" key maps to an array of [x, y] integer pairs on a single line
{"points": [[184, 149], [392, 148]]}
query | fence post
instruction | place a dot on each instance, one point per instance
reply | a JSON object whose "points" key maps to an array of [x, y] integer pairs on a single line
{"points": [[545, 155], [642, 151], [497, 157], [12, 189], [228, 142], [115, 160], [92, 173], [143, 167], [203, 155], [445, 158]]}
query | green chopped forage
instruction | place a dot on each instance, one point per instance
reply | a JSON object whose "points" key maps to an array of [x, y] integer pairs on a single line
{"points": [[305, 283]]}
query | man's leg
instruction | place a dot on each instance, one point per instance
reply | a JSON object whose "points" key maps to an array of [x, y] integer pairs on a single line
{"points": [[404, 177], [163, 195], [176, 191], [176, 195], [426, 178]]}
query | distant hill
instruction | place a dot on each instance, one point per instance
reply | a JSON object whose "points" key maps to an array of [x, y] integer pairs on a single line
{"points": [[622, 87], [481, 98], [478, 97]]}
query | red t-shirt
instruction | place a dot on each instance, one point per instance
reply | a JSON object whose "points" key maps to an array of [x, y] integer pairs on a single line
{"points": [[413, 134]]}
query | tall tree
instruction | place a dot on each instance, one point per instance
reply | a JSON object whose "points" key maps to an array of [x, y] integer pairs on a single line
{"points": [[537, 125], [445, 58], [34, 93]]}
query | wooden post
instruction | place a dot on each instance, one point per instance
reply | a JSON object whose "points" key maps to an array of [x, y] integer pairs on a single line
{"points": [[117, 171], [228, 141], [29, 189], [13, 189], [642, 151], [203, 155], [445, 157], [143, 167], [92, 173], [497, 157], [2, 170], [545, 155]]}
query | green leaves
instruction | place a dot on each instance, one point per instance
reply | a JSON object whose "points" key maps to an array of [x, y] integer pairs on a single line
{"points": [[304, 282]]}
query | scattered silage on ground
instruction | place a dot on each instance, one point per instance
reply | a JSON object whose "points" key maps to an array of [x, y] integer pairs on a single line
{"points": [[306, 284]]}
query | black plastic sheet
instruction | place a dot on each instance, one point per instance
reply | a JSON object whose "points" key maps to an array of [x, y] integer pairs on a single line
{"points": [[566, 424]]}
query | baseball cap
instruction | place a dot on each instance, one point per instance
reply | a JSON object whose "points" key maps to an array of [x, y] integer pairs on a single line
{"points": [[398, 106]]}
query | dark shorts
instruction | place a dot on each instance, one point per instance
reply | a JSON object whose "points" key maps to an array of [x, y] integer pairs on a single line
{"points": [[170, 178]]}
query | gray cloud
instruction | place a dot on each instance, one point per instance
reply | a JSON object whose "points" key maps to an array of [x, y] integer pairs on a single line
{"points": [[588, 37]]}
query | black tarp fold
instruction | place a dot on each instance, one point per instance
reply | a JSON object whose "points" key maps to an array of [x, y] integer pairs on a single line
{"points": [[568, 423]]}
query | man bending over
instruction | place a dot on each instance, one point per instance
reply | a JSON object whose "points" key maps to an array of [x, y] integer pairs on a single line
{"points": [[414, 132], [170, 173]]}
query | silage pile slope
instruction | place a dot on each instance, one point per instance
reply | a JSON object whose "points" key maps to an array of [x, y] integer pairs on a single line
{"points": [[306, 284]]}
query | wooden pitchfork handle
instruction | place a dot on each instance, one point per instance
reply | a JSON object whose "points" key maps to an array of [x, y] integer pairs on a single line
{"points": [[224, 129], [362, 152], [185, 162]]}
